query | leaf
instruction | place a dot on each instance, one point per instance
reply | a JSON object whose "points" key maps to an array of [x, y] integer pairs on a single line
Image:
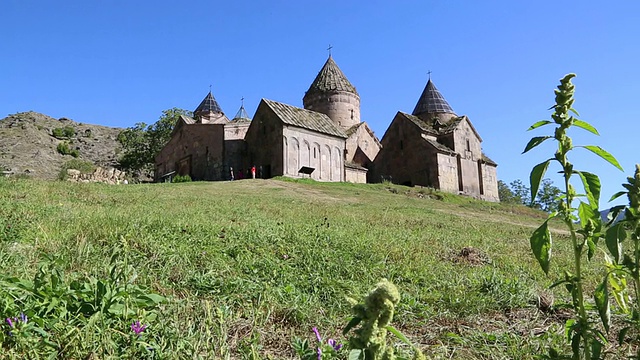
{"points": [[585, 125], [354, 322], [613, 238], [591, 248], [591, 184], [535, 141], [574, 111], [400, 335], [536, 176], [541, 246], [603, 154], [569, 328], [586, 212], [152, 299], [596, 349], [601, 297], [538, 124], [622, 334], [356, 354], [617, 195]]}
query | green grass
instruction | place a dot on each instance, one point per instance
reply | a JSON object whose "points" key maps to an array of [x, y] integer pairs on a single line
{"points": [[248, 265]]}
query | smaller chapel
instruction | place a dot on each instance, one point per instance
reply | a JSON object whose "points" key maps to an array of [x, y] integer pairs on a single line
{"points": [[326, 140]]}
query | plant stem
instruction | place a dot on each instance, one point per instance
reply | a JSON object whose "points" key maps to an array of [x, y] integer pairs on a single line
{"points": [[636, 276], [577, 253]]}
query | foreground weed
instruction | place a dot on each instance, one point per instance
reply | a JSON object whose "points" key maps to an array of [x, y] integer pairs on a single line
{"points": [[374, 315], [586, 340]]}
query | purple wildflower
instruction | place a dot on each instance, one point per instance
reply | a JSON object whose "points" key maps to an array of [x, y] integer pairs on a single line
{"points": [[334, 344], [319, 353], [10, 322], [315, 330], [24, 318], [138, 328]]}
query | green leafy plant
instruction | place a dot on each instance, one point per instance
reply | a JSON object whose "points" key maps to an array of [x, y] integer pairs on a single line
{"points": [[53, 303], [622, 266], [64, 149], [64, 132], [374, 316], [181, 179], [586, 340]]}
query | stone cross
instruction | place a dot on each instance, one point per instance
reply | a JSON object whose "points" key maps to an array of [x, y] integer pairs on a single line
{"points": [[329, 48]]}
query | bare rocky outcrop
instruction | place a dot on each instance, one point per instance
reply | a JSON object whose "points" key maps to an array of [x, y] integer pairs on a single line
{"points": [[29, 144]]}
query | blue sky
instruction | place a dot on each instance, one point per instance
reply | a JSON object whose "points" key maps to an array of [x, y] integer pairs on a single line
{"points": [[116, 63]]}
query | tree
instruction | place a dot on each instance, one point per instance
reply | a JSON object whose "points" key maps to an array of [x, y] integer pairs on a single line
{"points": [[518, 193], [141, 143], [506, 195]]}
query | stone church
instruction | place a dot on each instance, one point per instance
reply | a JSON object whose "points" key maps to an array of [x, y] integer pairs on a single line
{"points": [[327, 141]]}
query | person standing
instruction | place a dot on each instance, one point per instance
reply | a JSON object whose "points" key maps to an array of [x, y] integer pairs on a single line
{"points": [[253, 172], [231, 170]]}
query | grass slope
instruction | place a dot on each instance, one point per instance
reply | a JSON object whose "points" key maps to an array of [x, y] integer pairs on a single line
{"points": [[250, 264]]}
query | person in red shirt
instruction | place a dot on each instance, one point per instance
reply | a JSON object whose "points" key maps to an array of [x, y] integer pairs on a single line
{"points": [[253, 172]]}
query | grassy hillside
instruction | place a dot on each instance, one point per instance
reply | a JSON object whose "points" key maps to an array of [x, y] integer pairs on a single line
{"points": [[249, 265]]}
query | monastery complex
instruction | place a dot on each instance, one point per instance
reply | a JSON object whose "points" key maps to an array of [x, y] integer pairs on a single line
{"points": [[327, 141]]}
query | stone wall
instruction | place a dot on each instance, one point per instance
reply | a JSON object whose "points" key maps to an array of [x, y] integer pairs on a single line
{"points": [[355, 174], [196, 150], [364, 139], [324, 153], [490, 183], [406, 158], [448, 173], [341, 106], [108, 176], [264, 142]]}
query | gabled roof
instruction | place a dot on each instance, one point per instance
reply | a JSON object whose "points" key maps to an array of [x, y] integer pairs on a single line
{"points": [[350, 131], [331, 78], [453, 125], [182, 120], [305, 119], [209, 104], [431, 101]]}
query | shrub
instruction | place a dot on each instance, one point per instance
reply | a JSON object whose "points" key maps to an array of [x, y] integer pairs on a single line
{"points": [[64, 132], [181, 178], [64, 149], [85, 167]]}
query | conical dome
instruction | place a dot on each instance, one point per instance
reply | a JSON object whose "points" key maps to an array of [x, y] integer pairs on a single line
{"points": [[432, 102], [331, 78], [241, 115], [209, 104], [333, 95]]}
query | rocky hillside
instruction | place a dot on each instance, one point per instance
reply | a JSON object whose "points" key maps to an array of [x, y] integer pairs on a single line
{"points": [[29, 143]]}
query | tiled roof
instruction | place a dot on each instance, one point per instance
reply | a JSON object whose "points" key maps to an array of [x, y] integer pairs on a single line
{"points": [[187, 119], [423, 125], [451, 126], [306, 119], [431, 101], [438, 146], [486, 159], [353, 129], [209, 104], [331, 78]]}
